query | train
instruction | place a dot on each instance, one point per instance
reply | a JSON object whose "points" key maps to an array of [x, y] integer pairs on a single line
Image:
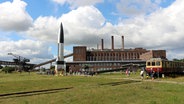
{"points": [[163, 66]]}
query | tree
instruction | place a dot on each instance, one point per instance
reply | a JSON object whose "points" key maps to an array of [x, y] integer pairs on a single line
{"points": [[178, 60], [86, 67], [175, 59], [8, 69], [1, 67]]}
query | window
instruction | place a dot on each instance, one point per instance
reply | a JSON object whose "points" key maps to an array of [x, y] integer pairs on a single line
{"points": [[148, 64], [164, 65], [158, 63], [153, 63]]}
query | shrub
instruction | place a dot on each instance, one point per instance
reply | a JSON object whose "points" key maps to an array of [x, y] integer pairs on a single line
{"points": [[8, 69], [1, 67]]}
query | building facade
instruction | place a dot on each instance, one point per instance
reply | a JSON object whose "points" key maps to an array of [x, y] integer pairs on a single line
{"points": [[153, 54], [98, 59], [80, 53]]}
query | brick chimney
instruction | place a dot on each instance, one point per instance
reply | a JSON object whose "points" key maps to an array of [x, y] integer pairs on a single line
{"points": [[112, 43], [122, 43], [102, 44]]}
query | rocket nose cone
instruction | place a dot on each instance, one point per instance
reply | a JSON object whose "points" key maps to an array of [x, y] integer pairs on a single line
{"points": [[61, 33], [61, 25]]}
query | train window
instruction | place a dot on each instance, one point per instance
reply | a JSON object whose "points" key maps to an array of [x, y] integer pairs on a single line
{"points": [[153, 63], [158, 63], [148, 64], [167, 64], [163, 64]]}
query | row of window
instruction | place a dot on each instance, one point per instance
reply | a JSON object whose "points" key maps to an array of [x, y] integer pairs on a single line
{"points": [[164, 63], [172, 64], [102, 64], [153, 63], [90, 58], [115, 54]]}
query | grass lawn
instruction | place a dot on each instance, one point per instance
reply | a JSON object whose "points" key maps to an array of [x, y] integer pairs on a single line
{"points": [[111, 88]]}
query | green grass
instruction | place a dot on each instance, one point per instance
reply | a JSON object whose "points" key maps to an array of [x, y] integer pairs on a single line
{"points": [[108, 88]]}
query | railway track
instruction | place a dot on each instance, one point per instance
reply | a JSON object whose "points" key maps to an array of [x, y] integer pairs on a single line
{"points": [[31, 93]]}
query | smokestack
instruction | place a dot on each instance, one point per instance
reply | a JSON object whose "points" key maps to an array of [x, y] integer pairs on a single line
{"points": [[60, 58], [112, 39], [102, 44], [122, 43]]}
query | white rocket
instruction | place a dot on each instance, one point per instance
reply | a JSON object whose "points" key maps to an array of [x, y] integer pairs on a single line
{"points": [[60, 59]]}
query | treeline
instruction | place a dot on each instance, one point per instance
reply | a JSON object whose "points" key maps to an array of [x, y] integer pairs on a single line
{"points": [[178, 60], [7, 69]]}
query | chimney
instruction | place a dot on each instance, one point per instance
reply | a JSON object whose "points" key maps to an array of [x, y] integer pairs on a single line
{"points": [[122, 43], [112, 39], [102, 44]]}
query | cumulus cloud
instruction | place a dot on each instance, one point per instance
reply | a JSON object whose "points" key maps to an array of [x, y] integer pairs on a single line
{"points": [[137, 7], [160, 30], [77, 3], [27, 48], [83, 25], [80, 25], [86, 25], [13, 16], [44, 29], [67, 52]]}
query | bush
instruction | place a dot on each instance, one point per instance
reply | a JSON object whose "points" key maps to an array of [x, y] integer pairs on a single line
{"points": [[7, 69], [1, 67]]}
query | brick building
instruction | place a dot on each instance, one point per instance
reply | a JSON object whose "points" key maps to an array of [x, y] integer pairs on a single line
{"points": [[80, 53], [153, 54], [98, 59]]}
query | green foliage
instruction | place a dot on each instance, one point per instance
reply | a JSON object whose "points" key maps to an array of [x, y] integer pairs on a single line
{"points": [[8, 69], [86, 67], [43, 69], [52, 67], [178, 60], [139, 70], [1, 67]]}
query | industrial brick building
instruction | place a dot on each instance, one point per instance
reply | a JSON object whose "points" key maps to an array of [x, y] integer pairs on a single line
{"points": [[80, 53], [106, 59]]}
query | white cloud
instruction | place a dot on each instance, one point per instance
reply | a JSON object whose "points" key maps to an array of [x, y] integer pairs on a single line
{"points": [[86, 25], [44, 29], [80, 25], [67, 52], [78, 3], [83, 25], [160, 30], [26, 48], [13, 16], [137, 7]]}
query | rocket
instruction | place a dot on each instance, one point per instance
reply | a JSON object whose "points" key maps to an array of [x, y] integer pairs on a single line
{"points": [[60, 58]]}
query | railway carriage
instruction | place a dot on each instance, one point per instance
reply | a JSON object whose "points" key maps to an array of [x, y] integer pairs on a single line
{"points": [[163, 66]]}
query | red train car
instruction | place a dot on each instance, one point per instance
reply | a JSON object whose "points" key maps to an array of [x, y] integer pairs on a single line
{"points": [[163, 66]]}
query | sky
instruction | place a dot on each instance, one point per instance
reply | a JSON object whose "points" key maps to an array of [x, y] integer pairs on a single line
{"points": [[29, 28]]}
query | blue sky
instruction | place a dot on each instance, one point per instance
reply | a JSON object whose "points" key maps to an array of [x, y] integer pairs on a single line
{"points": [[30, 27]]}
